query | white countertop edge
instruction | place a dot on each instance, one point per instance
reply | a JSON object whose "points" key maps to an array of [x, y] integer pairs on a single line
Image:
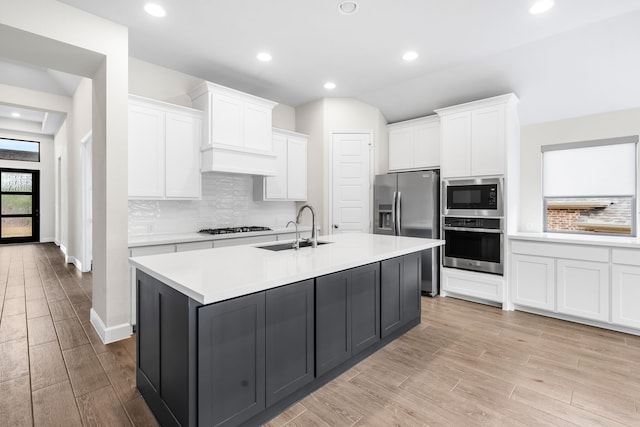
{"points": [[270, 284], [176, 238], [578, 239]]}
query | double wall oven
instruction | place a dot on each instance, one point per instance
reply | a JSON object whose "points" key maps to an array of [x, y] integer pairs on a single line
{"points": [[473, 224]]}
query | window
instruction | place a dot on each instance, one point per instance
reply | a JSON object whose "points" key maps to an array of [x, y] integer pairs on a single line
{"points": [[17, 149], [589, 187]]}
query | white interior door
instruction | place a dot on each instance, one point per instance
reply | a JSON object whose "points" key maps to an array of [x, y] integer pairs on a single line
{"points": [[351, 183]]}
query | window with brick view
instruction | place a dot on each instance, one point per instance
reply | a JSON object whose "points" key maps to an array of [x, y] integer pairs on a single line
{"points": [[590, 187]]}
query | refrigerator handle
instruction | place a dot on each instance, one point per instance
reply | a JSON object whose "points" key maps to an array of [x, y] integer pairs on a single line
{"points": [[393, 213], [398, 213]]}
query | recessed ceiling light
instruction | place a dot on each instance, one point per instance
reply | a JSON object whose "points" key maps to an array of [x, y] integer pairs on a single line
{"points": [[15, 114], [329, 85], [410, 56], [154, 9], [264, 57], [540, 6], [348, 7]]}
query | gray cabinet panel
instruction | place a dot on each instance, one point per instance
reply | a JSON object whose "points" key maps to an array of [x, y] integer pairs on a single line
{"points": [[333, 320], [391, 296], [289, 339], [166, 348], [411, 284], [365, 306], [231, 357]]}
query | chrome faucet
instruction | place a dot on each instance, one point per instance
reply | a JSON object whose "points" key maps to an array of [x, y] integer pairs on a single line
{"points": [[296, 244], [314, 239]]}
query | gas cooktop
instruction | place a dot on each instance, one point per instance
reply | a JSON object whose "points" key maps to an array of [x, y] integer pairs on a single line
{"points": [[229, 230]]}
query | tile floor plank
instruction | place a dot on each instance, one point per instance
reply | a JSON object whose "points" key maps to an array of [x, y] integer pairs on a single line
{"points": [[13, 327], [15, 404], [41, 330], [47, 365], [55, 406], [14, 359], [102, 408], [70, 333], [61, 309], [37, 308], [84, 369]]}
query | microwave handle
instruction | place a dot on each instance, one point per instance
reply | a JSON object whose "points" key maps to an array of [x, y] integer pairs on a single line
{"points": [[398, 210]]}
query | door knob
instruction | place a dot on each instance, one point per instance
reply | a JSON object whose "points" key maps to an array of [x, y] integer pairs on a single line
{"points": [[335, 225]]}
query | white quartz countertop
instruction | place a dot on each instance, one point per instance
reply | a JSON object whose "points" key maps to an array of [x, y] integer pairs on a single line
{"points": [[213, 275], [579, 239], [174, 238]]}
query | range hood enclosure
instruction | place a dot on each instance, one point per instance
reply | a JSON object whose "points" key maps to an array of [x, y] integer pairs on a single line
{"points": [[237, 131]]}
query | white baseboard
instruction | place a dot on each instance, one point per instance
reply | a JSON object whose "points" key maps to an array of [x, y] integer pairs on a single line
{"points": [[111, 334], [48, 240], [63, 248]]}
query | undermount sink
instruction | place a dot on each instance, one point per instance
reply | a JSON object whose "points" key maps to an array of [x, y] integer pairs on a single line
{"points": [[289, 245]]}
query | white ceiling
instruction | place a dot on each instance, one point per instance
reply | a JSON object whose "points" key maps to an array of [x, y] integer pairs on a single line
{"points": [[579, 58], [39, 79]]}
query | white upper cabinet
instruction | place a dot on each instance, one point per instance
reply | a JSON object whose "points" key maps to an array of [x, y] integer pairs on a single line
{"points": [[477, 135], [290, 182], [237, 130], [164, 150], [146, 151], [414, 144]]}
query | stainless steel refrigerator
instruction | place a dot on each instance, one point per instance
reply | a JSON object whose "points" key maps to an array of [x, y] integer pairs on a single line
{"points": [[408, 204]]}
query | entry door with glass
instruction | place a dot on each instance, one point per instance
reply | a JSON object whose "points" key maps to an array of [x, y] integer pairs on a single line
{"points": [[19, 205]]}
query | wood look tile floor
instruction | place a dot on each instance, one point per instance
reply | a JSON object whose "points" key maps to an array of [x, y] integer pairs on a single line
{"points": [[466, 364]]}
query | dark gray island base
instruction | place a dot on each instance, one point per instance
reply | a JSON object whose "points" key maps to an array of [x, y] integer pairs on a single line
{"points": [[243, 361]]}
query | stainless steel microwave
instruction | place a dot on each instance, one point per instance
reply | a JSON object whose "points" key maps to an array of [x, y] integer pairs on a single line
{"points": [[473, 197]]}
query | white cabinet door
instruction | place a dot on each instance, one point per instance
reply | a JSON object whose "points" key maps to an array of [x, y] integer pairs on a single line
{"points": [[426, 145], [401, 148], [583, 289], [296, 169], [488, 140], [456, 140], [533, 281], [226, 120], [257, 127], [146, 152], [182, 156], [625, 292], [276, 186]]}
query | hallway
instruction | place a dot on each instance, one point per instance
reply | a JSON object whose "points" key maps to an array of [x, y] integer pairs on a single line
{"points": [[54, 370]]}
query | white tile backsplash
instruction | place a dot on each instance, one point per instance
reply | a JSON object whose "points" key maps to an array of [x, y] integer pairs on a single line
{"points": [[227, 201]]}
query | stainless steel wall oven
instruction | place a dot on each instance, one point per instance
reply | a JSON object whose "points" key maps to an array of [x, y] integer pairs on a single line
{"points": [[473, 224], [475, 244]]}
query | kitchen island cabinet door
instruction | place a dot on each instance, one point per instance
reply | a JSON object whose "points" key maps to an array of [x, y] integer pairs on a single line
{"points": [[333, 320], [289, 339], [391, 295], [231, 360], [365, 306], [411, 281]]}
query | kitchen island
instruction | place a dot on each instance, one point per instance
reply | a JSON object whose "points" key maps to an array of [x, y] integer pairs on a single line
{"points": [[232, 336]]}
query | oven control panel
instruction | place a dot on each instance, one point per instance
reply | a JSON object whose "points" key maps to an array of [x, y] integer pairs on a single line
{"points": [[487, 223]]}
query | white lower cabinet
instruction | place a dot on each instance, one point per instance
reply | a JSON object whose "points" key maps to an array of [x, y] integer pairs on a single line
{"points": [[533, 281], [625, 295], [477, 285], [583, 289], [625, 287]]}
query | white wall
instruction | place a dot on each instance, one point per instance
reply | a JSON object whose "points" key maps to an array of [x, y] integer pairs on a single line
{"points": [[54, 35], [532, 137], [46, 166], [320, 119]]}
